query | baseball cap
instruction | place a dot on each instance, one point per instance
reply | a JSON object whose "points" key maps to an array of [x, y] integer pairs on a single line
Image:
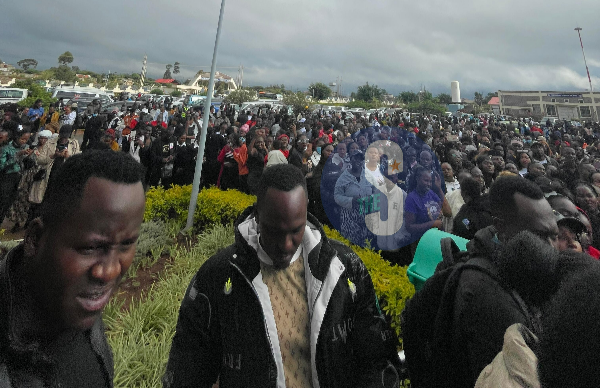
{"points": [[570, 222]]}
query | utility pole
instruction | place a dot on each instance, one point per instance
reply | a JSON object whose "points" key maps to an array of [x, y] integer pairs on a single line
{"points": [[594, 113], [143, 74]]}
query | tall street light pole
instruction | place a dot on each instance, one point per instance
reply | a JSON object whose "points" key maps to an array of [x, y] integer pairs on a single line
{"points": [[211, 83], [594, 113]]}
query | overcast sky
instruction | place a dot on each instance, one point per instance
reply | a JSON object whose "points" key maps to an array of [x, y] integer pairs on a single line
{"points": [[398, 45]]}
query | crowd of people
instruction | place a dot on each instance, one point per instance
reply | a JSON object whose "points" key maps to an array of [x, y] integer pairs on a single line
{"points": [[525, 194]]}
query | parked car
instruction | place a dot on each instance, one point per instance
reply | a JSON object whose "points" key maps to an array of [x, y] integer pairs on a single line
{"points": [[12, 95]]}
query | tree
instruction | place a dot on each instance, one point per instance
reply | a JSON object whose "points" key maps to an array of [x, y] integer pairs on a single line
{"points": [[478, 99], [35, 92], [220, 87], [64, 73], [167, 74], [25, 64], [156, 91], [426, 106], [176, 93], [65, 58], [75, 69], [240, 96], [444, 98], [408, 97], [319, 91], [176, 68], [297, 101], [369, 93]]}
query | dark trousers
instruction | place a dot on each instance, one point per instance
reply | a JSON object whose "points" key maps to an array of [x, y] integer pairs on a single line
{"points": [[8, 191]]}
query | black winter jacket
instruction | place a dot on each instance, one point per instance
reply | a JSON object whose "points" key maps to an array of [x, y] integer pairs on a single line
{"points": [[226, 328]]}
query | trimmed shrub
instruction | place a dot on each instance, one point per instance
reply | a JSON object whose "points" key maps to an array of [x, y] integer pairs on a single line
{"points": [[214, 205]]}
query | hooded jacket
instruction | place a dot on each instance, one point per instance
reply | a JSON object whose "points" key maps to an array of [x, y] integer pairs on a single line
{"points": [[226, 328]]}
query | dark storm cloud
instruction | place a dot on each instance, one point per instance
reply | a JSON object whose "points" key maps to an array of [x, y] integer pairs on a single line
{"points": [[527, 44]]}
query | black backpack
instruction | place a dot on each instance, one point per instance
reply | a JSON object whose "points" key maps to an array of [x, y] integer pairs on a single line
{"points": [[427, 322]]}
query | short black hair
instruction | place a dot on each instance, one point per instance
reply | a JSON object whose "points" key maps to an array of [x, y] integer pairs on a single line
{"points": [[503, 190], [471, 187], [284, 177], [65, 189]]}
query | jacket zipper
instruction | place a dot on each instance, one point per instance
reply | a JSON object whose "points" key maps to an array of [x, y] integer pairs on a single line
{"points": [[263, 314]]}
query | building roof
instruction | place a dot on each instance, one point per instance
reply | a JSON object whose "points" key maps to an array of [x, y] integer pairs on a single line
{"points": [[164, 81], [494, 101]]}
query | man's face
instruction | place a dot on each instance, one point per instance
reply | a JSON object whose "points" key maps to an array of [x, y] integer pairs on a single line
{"points": [[301, 143], [536, 170], [425, 159], [3, 137], [282, 220], [538, 151], [498, 162], [568, 155], [585, 171], [478, 176], [341, 150], [362, 141], [82, 259], [67, 109], [448, 172], [534, 215], [487, 166]]}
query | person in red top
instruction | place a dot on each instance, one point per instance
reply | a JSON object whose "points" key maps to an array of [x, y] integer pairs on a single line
{"points": [[240, 154], [285, 140]]}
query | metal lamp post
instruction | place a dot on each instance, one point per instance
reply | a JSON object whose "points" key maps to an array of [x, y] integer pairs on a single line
{"points": [[594, 113]]}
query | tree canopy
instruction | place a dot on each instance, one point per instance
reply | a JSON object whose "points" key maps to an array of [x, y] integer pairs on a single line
{"points": [[167, 74], [319, 91], [408, 97], [240, 96], [25, 64], [444, 98], [369, 93], [297, 101], [65, 58], [35, 92]]}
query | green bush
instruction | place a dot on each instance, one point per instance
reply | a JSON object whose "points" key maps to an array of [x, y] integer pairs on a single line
{"points": [[214, 205], [176, 93], [156, 91]]}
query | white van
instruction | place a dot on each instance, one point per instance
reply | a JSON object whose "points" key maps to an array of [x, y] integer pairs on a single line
{"points": [[12, 95], [69, 92]]}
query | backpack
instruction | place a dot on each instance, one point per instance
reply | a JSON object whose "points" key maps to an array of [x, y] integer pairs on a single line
{"points": [[427, 332]]}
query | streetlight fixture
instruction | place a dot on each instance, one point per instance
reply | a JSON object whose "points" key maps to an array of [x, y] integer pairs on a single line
{"points": [[594, 113]]}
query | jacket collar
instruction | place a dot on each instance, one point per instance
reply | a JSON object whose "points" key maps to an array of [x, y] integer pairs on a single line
{"points": [[246, 258]]}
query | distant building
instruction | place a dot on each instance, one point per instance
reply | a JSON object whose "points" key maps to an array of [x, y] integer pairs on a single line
{"points": [[562, 105], [494, 103], [5, 68]]}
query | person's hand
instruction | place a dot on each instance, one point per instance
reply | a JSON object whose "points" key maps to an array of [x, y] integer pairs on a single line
{"points": [[437, 224], [437, 181]]}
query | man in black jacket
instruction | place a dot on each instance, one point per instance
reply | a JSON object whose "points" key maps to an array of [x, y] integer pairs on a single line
{"points": [[54, 286], [483, 307], [282, 306]]}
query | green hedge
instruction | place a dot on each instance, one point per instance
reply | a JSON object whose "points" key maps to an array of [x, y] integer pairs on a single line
{"points": [[214, 205]]}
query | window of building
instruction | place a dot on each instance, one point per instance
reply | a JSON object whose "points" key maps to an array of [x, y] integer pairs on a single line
{"points": [[553, 100], [551, 110], [566, 100], [581, 101], [585, 111]]}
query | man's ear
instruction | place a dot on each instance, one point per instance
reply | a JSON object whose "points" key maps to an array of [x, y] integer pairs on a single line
{"points": [[32, 237]]}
